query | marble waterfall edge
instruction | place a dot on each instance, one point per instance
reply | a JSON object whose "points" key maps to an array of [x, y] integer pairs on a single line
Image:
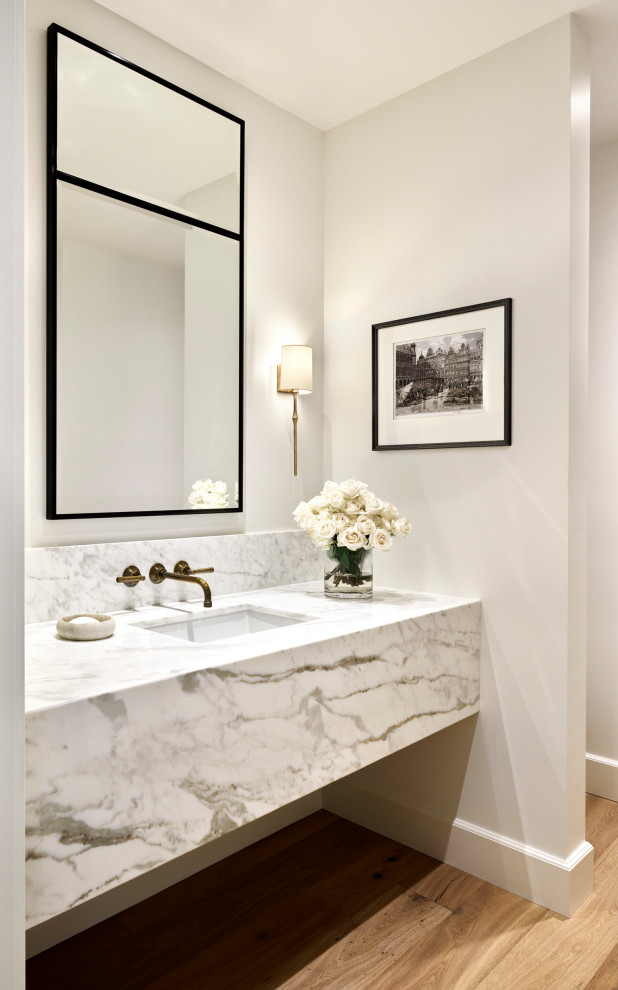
{"points": [[123, 781]]}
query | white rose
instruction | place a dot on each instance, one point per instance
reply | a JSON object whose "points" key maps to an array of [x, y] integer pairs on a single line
{"points": [[340, 520], [365, 525], [353, 508], [208, 500], [336, 498], [373, 505], [352, 488], [321, 542], [300, 510], [351, 539], [214, 498], [402, 526], [324, 530], [389, 511], [318, 502], [380, 540], [306, 521], [208, 493]]}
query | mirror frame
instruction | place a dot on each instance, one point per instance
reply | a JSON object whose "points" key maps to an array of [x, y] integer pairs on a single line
{"points": [[53, 175]]}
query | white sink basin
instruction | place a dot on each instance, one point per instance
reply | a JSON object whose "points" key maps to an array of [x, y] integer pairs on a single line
{"points": [[214, 626]]}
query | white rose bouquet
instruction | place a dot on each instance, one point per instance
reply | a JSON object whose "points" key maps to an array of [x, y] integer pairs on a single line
{"points": [[347, 520], [209, 494]]}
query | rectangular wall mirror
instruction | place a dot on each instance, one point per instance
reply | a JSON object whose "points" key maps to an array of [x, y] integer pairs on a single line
{"points": [[145, 291]]}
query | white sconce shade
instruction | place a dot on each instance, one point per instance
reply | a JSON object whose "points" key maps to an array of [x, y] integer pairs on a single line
{"points": [[296, 369]]}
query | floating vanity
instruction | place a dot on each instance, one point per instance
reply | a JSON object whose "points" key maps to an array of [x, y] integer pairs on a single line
{"points": [[144, 746]]}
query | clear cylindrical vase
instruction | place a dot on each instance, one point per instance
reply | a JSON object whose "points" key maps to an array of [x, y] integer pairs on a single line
{"points": [[348, 573]]}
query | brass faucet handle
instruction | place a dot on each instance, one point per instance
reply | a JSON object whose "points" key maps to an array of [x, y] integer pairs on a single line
{"points": [[131, 576], [157, 573], [183, 568]]}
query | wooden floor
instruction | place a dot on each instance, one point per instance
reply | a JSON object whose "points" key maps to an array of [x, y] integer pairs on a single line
{"points": [[326, 904]]}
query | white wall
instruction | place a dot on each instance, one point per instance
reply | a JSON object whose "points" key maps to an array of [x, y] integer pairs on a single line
{"points": [[283, 284], [11, 498], [211, 344], [602, 733], [462, 191]]}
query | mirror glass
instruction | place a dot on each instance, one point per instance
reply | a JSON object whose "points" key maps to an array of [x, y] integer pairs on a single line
{"points": [[139, 357], [122, 130], [145, 293]]}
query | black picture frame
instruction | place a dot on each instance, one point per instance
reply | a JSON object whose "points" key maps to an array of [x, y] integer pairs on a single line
{"points": [[456, 391], [54, 176]]}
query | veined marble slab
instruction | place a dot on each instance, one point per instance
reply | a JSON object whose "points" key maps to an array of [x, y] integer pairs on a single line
{"points": [[141, 747], [63, 580]]}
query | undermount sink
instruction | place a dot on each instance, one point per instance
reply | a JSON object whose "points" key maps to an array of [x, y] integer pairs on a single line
{"points": [[222, 625]]}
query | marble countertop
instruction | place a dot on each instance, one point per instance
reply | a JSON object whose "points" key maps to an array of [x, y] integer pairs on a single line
{"points": [[142, 747], [59, 672]]}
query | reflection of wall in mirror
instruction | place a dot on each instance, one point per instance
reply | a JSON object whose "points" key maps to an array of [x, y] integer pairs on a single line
{"points": [[120, 359], [218, 201], [211, 344]]}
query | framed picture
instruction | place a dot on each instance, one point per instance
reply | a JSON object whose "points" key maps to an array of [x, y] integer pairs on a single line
{"points": [[443, 379]]}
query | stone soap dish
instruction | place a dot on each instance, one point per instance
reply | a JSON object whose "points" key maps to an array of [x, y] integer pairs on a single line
{"points": [[85, 625]]}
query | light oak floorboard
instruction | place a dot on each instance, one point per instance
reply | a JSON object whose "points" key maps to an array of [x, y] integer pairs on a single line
{"points": [[448, 886], [601, 823], [259, 953], [606, 977], [562, 953], [464, 948], [371, 947]]}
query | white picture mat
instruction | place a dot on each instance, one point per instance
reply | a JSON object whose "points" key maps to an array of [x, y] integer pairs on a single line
{"points": [[475, 426]]}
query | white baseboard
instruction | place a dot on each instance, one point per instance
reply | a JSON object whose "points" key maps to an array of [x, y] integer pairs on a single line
{"points": [[602, 776], [561, 885], [43, 936]]}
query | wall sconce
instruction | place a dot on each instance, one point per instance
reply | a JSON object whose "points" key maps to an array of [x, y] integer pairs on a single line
{"points": [[295, 375]]}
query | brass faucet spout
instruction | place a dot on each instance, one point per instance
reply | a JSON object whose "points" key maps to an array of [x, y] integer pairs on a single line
{"points": [[159, 574], [193, 579]]}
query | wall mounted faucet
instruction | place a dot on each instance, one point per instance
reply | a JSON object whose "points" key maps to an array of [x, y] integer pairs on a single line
{"points": [[182, 572]]}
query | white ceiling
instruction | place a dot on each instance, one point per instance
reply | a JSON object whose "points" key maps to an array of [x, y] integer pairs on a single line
{"points": [[329, 60]]}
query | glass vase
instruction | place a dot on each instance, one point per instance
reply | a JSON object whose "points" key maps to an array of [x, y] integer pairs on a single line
{"points": [[348, 573]]}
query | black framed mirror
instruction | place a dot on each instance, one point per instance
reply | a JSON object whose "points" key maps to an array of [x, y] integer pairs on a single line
{"points": [[145, 211]]}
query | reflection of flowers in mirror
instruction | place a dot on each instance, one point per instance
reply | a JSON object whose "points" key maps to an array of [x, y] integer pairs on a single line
{"points": [[209, 494]]}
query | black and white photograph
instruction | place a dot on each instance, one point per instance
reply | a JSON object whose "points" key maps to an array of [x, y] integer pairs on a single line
{"points": [[443, 379], [439, 376]]}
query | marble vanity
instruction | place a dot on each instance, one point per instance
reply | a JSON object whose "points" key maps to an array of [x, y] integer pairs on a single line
{"points": [[143, 746]]}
